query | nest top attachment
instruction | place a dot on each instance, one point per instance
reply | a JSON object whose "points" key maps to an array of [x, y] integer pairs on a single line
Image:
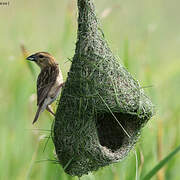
{"points": [[102, 108]]}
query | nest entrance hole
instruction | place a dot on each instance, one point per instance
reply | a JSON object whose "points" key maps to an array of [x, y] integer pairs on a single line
{"points": [[110, 133]]}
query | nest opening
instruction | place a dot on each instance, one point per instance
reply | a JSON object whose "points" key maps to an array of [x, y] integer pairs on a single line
{"points": [[110, 133]]}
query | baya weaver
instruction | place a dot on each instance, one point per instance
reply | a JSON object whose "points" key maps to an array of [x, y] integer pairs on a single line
{"points": [[49, 82]]}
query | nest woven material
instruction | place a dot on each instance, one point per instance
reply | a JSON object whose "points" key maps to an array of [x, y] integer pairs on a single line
{"points": [[102, 107]]}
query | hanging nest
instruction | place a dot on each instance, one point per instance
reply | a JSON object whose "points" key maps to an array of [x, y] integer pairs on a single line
{"points": [[102, 108]]}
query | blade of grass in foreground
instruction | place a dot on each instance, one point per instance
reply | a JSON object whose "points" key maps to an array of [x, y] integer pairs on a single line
{"points": [[161, 164]]}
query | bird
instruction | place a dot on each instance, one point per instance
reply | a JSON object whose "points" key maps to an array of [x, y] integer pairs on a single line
{"points": [[49, 81]]}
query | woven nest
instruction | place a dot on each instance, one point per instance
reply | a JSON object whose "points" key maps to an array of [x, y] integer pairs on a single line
{"points": [[102, 108]]}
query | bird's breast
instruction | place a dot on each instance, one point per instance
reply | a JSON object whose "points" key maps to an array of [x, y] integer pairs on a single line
{"points": [[55, 88], [59, 79]]}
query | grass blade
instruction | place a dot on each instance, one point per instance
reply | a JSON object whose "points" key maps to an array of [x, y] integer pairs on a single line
{"points": [[25, 55], [161, 164], [126, 53]]}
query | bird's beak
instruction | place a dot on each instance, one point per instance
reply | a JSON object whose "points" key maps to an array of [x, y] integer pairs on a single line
{"points": [[31, 58]]}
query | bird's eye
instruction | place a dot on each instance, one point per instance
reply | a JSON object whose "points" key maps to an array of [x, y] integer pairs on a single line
{"points": [[41, 56]]}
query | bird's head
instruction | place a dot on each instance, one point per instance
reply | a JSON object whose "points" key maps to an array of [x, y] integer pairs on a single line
{"points": [[42, 59]]}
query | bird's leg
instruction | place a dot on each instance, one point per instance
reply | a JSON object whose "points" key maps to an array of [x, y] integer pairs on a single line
{"points": [[49, 109], [61, 85]]}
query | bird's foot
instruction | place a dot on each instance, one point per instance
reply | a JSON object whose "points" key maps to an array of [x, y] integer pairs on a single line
{"points": [[49, 109]]}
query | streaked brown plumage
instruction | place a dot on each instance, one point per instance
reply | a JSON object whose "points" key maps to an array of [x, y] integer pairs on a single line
{"points": [[49, 81]]}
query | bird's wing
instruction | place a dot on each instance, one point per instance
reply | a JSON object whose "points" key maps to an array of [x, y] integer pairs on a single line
{"points": [[45, 81]]}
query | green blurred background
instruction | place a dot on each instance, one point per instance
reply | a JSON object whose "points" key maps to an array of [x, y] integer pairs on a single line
{"points": [[144, 35]]}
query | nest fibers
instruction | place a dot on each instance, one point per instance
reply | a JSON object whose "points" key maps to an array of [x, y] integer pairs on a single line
{"points": [[102, 108]]}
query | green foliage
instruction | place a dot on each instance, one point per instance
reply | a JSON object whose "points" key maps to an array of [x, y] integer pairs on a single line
{"points": [[152, 31], [161, 164]]}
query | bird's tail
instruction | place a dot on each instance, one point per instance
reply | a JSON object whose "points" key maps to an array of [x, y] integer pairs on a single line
{"points": [[37, 115]]}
